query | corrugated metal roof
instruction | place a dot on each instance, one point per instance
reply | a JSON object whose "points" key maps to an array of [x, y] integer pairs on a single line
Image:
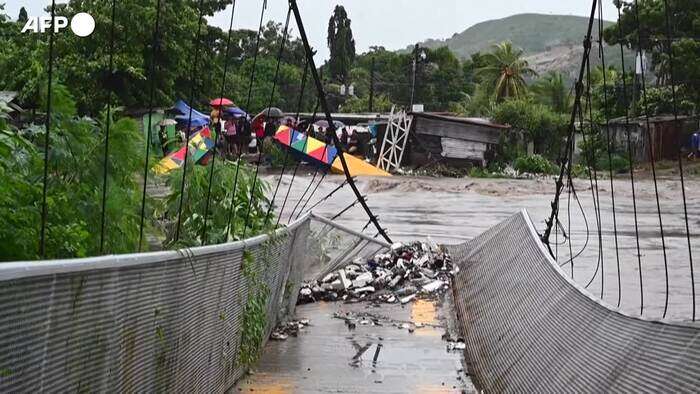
{"points": [[6, 96], [459, 119]]}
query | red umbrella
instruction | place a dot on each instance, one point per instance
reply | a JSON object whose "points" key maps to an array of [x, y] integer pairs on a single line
{"points": [[221, 102]]}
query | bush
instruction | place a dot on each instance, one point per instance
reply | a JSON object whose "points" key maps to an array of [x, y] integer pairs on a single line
{"points": [[619, 164], [545, 128], [534, 164]]}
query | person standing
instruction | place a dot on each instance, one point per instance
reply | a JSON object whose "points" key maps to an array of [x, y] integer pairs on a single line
{"points": [[230, 132]]}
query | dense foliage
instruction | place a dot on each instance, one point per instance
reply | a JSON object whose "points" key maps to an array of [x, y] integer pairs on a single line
{"points": [[74, 185], [81, 63]]}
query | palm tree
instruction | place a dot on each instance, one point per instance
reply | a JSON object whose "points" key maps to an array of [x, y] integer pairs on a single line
{"points": [[551, 90], [505, 71]]}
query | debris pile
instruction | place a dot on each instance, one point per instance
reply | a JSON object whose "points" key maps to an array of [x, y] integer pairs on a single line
{"points": [[291, 328], [406, 272]]}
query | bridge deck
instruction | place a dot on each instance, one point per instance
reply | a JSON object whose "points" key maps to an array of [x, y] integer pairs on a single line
{"points": [[328, 357]]}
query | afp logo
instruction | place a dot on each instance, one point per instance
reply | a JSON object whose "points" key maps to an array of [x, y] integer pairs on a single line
{"points": [[82, 24]]}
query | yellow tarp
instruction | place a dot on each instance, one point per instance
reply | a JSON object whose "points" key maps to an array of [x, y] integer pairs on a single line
{"points": [[357, 167]]}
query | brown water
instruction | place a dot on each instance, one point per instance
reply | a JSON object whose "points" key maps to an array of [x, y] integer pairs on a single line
{"points": [[455, 210]]}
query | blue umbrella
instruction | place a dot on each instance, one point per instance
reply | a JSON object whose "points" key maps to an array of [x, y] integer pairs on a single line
{"points": [[235, 112]]}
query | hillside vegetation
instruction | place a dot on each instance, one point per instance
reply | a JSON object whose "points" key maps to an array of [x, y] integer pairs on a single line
{"points": [[549, 42]]}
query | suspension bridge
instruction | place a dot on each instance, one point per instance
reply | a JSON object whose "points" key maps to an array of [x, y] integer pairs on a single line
{"points": [[593, 292]]}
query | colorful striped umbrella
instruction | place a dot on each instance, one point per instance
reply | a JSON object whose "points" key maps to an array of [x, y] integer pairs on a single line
{"points": [[200, 145], [309, 146]]}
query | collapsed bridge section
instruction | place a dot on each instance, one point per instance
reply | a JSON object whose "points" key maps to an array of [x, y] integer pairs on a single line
{"points": [[529, 328]]}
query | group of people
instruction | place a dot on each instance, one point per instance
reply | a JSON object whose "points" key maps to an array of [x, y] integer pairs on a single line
{"points": [[231, 133]]}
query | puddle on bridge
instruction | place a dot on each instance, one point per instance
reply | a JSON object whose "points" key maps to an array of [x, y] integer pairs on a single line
{"points": [[328, 356]]}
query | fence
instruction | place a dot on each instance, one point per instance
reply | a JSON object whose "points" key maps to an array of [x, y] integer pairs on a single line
{"points": [[158, 322], [529, 328]]}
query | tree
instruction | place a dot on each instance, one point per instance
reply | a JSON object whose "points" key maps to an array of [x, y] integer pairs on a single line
{"points": [[82, 63], [341, 44], [542, 126], [685, 48], [504, 71], [22, 17], [552, 91]]}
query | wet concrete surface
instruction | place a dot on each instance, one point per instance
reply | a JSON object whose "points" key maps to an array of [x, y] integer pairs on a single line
{"points": [[380, 356], [330, 358], [454, 210]]}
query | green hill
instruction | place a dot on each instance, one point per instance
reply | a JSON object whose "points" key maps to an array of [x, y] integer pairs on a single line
{"points": [[550, 42]]}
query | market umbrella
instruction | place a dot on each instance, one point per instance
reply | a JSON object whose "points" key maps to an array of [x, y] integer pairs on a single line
{"points": [[235, 112], [272, 112], [221, 102], [324, 123]]}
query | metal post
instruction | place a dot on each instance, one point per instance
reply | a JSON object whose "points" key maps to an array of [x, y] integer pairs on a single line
{"points": [[415, 68], [371, 87], [329, 118]]}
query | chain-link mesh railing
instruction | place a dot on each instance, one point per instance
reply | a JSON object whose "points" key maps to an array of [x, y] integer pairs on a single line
{"points": [[158, 322], [333, 246], [184, 321], [529, 328]]}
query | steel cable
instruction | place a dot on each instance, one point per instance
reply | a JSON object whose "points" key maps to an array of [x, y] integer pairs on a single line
{"points": [[151, 99], [231, 225], [631, 158], [606, 114], [214, 151], [47, 140], [286, 152], [296, 167], [669, 38], [107, 127], [188, 131], [267, 119], [651, 152]]}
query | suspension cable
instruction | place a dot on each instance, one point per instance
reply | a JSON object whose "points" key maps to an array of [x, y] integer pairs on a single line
{"points": [[47, 140], [231, 226], [267, 120], [595, 191], [107, 127], [313, 192], [296, 167], [669, 38], [151, 99], [606, 114], [630, 157], [214, 151], [572, 127], [327, 196], [329, 119], [286, 151], [651, 150], [188, 131]]}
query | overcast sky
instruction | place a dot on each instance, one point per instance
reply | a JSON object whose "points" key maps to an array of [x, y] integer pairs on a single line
{"points": [[393, 24]]}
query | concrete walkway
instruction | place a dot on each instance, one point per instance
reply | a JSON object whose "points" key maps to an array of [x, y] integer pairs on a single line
{"points": [[380, 356]]}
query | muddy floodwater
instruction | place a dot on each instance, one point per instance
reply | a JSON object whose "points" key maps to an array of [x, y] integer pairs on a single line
{"points": [[329, 358], [454, 210]]}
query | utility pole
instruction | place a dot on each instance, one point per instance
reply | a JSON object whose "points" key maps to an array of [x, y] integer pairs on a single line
{"points": [[371, 87], [415, 67]]}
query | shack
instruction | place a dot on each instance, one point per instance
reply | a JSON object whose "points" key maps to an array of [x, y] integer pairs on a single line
{"points": [[667, 136], [8, 100], [452, 140]]}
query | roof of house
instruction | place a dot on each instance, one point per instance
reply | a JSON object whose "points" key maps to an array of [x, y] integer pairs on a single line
{"points": [[458, 119], [6, 96]]}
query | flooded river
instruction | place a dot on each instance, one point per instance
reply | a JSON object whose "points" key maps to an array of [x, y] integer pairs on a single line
{"points": [[330, 358], [455, 210]]}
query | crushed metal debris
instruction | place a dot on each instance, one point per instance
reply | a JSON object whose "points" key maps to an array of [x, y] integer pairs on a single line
{"points": [[405, 273]]}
